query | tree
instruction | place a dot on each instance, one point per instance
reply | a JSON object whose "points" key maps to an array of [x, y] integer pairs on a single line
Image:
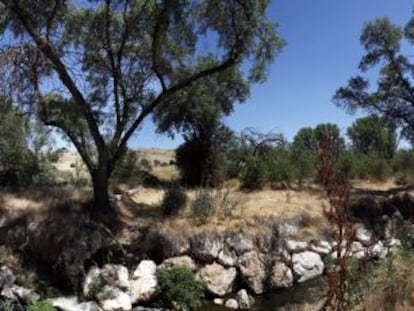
{"points": [[15, 156], [373, 135], [112, 62], [197, 112], [306, 144], [393, 97]]}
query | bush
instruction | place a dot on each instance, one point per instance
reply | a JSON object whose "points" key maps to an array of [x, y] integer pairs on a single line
{"points": [[179, 286], [201, 163], [174, 200], [203, 204], [255, 175], [279, 166], [42, 306], [392, 284], [129, 168]]}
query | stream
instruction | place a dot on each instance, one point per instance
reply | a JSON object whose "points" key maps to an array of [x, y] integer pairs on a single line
{"points": [[293, 298]]}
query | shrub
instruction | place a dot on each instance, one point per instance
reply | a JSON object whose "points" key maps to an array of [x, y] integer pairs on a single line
{"points": [[178, 286], [129, 168], [391, 284], [255, 175], [203, 204], [43, 305], [174, 200], [201, 163]]}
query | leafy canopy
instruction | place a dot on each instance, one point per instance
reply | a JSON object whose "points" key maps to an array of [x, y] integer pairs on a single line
{"points": [[393, 95]]}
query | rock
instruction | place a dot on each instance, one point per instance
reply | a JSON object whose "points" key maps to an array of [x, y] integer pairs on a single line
{"points": [[364, 236], [307, 265], [26, 295], [113, 299], [116, 276], [243, 300], [72, 304], [240, 243], [206, 246], [295, 246], [185, 261], [165, 244], [358, 250], [219, 279], [227, 257], [7, 277], [253, 271], [393, 244], [143, 289], [321, 247], [288, 227], [378, 250], [231, 304], [92, 280], [144, 268], [143, 286], [281, 276], [218, 301]]}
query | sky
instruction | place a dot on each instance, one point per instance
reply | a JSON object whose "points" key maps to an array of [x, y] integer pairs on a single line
{"points": [[323, 51]]}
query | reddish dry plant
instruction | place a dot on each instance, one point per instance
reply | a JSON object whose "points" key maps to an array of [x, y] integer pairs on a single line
{"points": [[337, 189]]}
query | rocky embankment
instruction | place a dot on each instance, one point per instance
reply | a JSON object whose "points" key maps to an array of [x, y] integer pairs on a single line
{"points": [[234, 265]]}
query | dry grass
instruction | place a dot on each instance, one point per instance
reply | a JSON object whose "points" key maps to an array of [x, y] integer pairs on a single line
{"points": [[248, 209]]}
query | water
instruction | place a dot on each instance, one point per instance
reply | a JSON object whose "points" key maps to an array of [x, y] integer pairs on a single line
{"points": [[293, 298]]}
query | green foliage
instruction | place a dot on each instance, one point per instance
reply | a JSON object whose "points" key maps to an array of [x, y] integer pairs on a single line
{"points": [[174, 200], [255, 174], [95, 287], [134, 57], [43, 305], [129, 168], [178, 286], [391, 97], [403, 166], [203, 204], [373, 135], [279, 165], [201, 160]]}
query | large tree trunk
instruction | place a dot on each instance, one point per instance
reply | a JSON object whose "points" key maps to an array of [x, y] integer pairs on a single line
{"points": [[100, 181]]}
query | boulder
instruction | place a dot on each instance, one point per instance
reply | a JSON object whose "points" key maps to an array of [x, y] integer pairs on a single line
{"points": [[164, 244], [185, 261], [307, 265], [114, 299], [19, 293], [364, 236], [378, 250], [323, 248], [218, 301], [240, 243], [281, 276], [143, 289], [219, 280], [206, 246], [143, 286], [115, 276], [293, 246], [144, 268], [7, 277], [72, 304], [243, 300], [231, 304], [227, 257], [253, 271]]}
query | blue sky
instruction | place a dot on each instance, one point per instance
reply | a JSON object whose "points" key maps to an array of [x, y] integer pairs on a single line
{"points": [[322, 53]]}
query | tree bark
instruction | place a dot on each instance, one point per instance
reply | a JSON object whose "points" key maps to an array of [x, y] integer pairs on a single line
{"points": [[100, 181]]}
